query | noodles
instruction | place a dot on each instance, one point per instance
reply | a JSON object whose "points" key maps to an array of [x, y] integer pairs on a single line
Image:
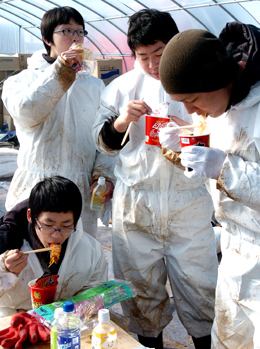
{"points": [[55, 254], [200, 130]]}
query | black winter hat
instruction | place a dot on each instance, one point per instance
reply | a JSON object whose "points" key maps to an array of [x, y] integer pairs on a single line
{"points": [[196, 61]]}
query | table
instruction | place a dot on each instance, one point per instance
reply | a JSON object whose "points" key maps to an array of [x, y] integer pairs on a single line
{"points": [[125, 341]]}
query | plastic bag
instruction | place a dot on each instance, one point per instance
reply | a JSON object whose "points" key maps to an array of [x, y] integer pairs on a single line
{"points": [[88, 63]]}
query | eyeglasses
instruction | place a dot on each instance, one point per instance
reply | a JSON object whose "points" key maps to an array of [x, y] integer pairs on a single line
{"points": [[49, 230], [71, 32]]}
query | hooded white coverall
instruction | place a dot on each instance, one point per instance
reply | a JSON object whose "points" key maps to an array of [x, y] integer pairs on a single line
{"points": [[161, 221], [53, 114], [83, 266], [237, 205]]}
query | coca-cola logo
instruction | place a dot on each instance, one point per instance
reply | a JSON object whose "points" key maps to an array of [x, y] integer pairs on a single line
{"points": [[159, 125]]}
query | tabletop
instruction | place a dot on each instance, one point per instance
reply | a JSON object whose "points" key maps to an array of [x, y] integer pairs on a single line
{"points": [[125, 341]]}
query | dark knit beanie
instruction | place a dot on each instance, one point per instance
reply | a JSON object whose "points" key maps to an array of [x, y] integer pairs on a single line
{"points": [[196, 61]]}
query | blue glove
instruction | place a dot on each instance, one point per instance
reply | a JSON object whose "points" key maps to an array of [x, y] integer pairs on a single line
{"points": [[204, 162]]}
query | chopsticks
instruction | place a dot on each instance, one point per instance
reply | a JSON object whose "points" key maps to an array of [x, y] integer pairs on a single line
{"points": [[39, 250], [127, 133]]}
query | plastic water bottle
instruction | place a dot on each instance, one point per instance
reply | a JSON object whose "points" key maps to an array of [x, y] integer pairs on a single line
{"points": [[58, 312], [68, 328], [104, 335], [97, 195]]}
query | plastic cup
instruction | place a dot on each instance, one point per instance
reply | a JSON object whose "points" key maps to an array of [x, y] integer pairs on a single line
{"points": [[153, 124], [200, 140], [41, 295]]}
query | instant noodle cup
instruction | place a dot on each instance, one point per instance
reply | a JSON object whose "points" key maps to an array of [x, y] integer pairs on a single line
{"points": [[199, 140], [153, 124], [42, 293]]}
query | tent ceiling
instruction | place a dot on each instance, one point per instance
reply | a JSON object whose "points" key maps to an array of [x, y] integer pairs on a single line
{"points": [[107, 20]]}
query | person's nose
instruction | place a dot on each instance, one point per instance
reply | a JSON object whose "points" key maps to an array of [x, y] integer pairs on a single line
{"points": [[56, 233], [153, 62], [189, 107], [75, 37]]}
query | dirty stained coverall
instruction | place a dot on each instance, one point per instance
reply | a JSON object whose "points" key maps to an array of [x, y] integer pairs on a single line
{"points": [[236, 197], [82, 262], [53, 114], [161, 220]]}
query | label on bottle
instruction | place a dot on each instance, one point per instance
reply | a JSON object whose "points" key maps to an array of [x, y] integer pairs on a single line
{"points": [[54, 337], [97, 198], [69, 342], [104, 340]]}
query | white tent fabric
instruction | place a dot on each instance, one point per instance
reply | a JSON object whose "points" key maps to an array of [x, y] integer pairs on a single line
{"points": [[107, 21]]}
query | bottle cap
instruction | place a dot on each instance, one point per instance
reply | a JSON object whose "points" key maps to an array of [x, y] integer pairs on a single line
{"points": [[57, 312], [101, 180], [103, 315], [68, 306]]}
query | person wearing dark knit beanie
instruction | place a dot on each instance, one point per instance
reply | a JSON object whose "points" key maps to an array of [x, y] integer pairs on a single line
{"points": [[196, 61], [220, 78]]}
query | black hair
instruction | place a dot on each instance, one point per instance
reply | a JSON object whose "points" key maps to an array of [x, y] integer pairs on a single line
{"points": [[55, 17], [148, 26], [55, 194]]}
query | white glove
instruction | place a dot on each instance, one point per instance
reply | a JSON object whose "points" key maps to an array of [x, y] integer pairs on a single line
{"points": [[169, 136], [205, 162]]}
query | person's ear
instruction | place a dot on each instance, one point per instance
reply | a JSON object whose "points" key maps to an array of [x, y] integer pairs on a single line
{"points": [[29, 215], [47, 42]]}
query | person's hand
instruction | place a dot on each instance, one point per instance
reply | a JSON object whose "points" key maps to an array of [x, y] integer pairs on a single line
{"points": [[23, 326], [15, 261], [169, 137], [132, 112], [108, 193], [72, 56], [204, 162]]}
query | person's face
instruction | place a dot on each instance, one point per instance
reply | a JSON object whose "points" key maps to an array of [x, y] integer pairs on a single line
{"points": [[58, 220], [62, 43], [211, 104], [149, 58]]}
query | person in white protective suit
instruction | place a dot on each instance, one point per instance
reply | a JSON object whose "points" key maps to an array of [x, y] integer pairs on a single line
{"points": [[221, 78], [161, 220], [49, 216], [54, 109]]}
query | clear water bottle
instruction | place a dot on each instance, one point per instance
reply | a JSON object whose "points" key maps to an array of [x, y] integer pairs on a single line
{"points": [[68, 328], [104, 335], [58, 312], [97, 195]]}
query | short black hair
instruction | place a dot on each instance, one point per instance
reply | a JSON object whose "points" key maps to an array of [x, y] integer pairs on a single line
{"points": [[55, 194], [55, 17], [148, 26]]}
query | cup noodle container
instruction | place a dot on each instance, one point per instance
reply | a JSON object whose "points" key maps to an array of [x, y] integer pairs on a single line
{"points": [[41, 295], [153, 124], [200, 140]]}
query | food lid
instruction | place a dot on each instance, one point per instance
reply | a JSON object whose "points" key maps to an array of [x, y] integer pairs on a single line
{"points": [[68, 306]]}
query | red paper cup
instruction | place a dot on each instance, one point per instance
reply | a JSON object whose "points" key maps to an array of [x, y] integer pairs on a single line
{"points": [[200, 140], [41, 295], [153, 124]]}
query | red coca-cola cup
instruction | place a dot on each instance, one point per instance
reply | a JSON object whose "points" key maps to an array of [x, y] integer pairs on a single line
{"points": [[153, 124]]}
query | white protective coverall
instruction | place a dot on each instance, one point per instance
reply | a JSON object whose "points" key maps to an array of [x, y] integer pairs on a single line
{"points": [[237, 205], [161, 220], [83, 266], [53, 114]]}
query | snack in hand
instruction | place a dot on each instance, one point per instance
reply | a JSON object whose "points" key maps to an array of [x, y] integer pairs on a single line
{"points": [[55, 253], [86, 55]]}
